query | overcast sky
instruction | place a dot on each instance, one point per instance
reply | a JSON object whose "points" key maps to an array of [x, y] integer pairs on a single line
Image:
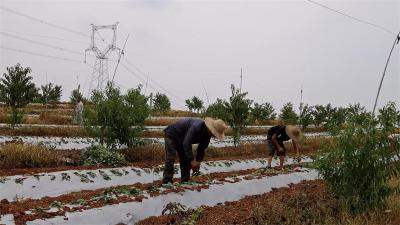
{"points": [[185, 45]]}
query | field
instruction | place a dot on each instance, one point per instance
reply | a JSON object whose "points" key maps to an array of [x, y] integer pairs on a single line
{"points": [[42, 181]]}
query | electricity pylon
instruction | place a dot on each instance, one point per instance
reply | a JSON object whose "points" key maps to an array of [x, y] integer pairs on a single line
{"points": [[100, 74]]}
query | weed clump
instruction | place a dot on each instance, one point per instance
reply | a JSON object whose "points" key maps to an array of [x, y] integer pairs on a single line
{"points": [[27, 156], [99, 155]]}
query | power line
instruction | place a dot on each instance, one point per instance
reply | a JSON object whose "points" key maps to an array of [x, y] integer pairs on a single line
{"points": [[352, 17], [41, 43], [177, 101], [42, 36], [41, 55], [43, 22], [152, 80]]}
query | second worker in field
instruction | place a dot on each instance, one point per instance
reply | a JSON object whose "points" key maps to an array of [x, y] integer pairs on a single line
{"points": [[179, 138]]}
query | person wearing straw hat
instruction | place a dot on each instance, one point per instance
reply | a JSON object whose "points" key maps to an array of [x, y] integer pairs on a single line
{"points": [[179, 138], [276, 136]]}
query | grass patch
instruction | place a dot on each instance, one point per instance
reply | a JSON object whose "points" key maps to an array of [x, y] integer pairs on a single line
{"points": [[45, 131], [27, 156]]}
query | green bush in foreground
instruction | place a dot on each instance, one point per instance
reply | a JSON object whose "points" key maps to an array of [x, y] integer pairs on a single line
{"points": [[116, 119], [360, 162], [99, 155]]}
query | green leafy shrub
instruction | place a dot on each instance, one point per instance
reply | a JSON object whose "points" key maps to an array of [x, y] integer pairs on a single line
{"points": [[238, 109], [217, 110], [116, 119], [262, 112], [288, 115], [194, 104], [161, 103], [306, 117], [49, 94], [17, 90], [359, 162], [26, 156], [99, 155]]}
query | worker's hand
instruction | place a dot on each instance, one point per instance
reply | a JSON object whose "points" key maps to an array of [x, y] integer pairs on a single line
{"points": [[280, 149], [195, 165]]}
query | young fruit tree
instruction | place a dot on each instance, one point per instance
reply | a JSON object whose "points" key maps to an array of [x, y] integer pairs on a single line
{"points": [[17, 90], [359, 161], [161, 103], [305, 117], [197, 104], [49, 94], [288, 115], [262, 112], [75, 95], [116, 119], [218, 110], [238, 109]]}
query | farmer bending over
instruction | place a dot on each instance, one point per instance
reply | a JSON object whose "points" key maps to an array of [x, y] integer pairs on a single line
{"points": [[277, 135], [179, 138]]}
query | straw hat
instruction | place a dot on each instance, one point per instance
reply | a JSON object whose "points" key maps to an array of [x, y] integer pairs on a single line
{"points": [[216, 127], [294, 133]]}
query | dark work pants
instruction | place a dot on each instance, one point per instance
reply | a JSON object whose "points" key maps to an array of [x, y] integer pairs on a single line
{"points": [[171, 148]]}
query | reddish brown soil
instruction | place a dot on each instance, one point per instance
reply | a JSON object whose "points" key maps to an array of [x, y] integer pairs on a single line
{"points": [[151, 156], [305, 203], [18, 208]]}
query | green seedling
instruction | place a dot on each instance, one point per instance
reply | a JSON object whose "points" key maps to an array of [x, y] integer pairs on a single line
{"points": [[126, 172], [58, 205], [19, 180], [84, 178], [39, 209], [116, 172], [190, 183], [137, 171], [65, 176], [228, 164], [37, 176], [146, 170], [168, 186], [91, 174], [79, 202], [152, 189], [104, 175], [134, 191], [196, 174], [52, 177], [3, 180]]}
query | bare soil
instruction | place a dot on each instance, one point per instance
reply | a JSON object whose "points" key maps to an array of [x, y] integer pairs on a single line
{"points": [[308, 202], [18, 208]]}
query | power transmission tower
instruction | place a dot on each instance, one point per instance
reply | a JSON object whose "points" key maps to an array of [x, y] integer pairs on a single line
{"points": [[100, 74]]}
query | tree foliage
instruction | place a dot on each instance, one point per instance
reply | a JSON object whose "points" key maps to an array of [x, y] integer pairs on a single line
{"points": [[305, 117], [359, 162], [17, 90], [218, 110], [238, 111], [75, 95], [288, 115], [389, 116], [50, 93], [116, 119], [263, 112], [194, 104], [161, 103]]}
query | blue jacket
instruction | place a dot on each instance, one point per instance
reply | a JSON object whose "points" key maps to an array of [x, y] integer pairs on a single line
{"points": [[188, 131]]}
